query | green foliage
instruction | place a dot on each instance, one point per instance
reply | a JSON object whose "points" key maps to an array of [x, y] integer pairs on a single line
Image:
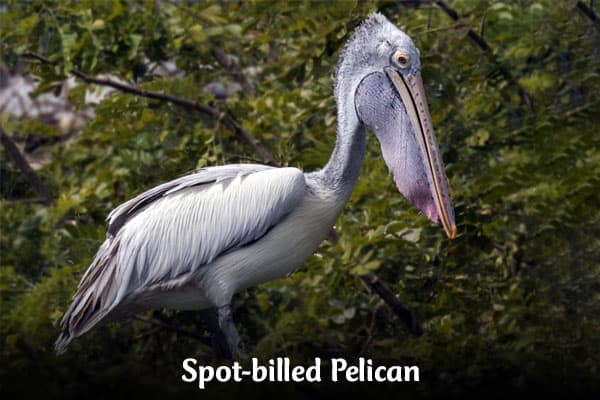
{"points": [[514, 296]]}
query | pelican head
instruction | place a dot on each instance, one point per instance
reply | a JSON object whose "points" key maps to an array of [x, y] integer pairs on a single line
{"points": [[380, 67]]}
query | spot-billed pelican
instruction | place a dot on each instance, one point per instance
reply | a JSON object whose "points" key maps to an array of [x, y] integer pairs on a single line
{"points": [[193, 242]]}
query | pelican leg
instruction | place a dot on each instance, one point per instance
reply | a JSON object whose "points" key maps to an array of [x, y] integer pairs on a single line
{"points": [[217, 337], [236, 347]]}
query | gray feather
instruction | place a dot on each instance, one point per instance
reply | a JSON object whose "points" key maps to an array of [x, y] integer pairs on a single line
{"points": [[121, 214], [169, 232]]}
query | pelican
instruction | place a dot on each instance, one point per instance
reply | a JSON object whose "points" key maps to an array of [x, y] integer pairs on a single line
{"points": [[193, 242]]}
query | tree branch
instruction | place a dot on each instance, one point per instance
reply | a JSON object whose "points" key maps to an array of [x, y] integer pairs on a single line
{"points": [[588, 11], [483, 45], [374, 283], [212, 112], [17, 157]]}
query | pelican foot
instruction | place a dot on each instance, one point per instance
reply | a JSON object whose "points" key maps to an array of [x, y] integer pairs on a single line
{"points": [[237, 348]]}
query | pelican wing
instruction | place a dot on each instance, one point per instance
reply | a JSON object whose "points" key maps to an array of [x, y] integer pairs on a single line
{"points": [[167, 233], [122, 213]]}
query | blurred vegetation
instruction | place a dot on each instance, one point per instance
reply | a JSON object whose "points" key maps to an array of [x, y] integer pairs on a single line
{"points": [[514, 300]]}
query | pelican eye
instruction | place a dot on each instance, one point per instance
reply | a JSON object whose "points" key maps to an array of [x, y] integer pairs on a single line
{"points": [[401, 58]]}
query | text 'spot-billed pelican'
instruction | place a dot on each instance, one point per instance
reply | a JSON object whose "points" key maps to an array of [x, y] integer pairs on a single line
{"points": [[195, 241]]}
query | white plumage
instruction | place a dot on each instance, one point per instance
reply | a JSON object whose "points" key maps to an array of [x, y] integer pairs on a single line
{"points": [[185, 244], [193, 242]]}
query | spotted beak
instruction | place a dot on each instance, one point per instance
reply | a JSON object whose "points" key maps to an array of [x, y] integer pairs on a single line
{"points": [[394, 107]]}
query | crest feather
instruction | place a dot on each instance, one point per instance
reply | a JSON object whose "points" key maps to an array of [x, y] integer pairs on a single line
{"points": [[370, 27]]}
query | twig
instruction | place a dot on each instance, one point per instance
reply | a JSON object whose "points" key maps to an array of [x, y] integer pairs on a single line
{"points": [[370, 332], [17, 157], [39, 57], [483, 45], [375, 284], [173, 328]]}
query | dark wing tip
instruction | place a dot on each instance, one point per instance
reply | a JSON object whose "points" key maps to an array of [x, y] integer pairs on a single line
{"points": [[63, 341]]}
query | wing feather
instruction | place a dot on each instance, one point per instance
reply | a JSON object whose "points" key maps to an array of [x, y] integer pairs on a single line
{"points": [[119, 216], [172, 230]]}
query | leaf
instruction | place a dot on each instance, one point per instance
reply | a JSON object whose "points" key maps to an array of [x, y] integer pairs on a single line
{"points": [[197, 33], [98, 24], [410, 235], [365, 268]]}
